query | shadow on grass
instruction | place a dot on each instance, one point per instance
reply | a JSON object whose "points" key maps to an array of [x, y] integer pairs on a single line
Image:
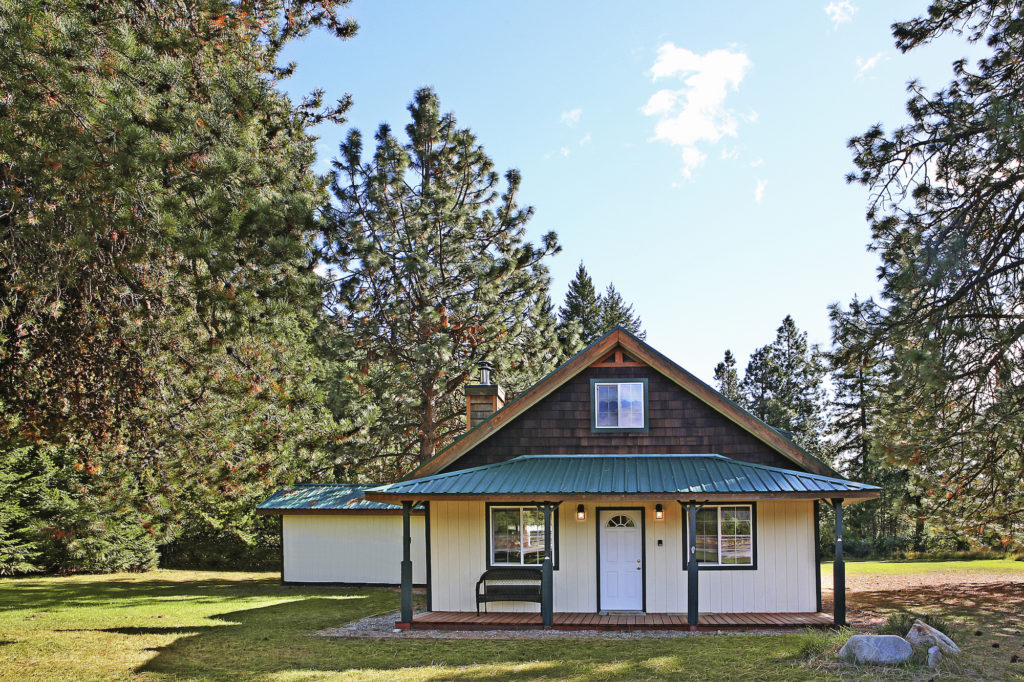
{"points": [[278, 639], [44, 594]]}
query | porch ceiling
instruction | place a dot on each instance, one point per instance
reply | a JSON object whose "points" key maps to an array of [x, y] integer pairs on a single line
{"points": [[652, 477]]}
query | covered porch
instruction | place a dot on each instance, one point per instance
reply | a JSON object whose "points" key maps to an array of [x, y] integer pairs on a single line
{"points": [[664, 495]]}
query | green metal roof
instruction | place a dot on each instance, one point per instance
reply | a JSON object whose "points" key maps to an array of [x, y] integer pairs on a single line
{"points": [[642, 475], [323, 497]]}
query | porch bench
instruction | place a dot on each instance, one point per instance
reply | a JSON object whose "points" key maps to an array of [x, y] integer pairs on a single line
{"points": [[508, 584]]}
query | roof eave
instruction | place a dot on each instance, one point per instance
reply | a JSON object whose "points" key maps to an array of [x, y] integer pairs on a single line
{"points": [[850, 495]]}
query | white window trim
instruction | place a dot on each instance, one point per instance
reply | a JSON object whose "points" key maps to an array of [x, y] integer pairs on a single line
{"points": [[718, 509], [643, 403], [490, 539]]}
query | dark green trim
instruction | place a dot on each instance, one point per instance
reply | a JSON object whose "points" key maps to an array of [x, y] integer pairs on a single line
{"points": [[280, 529], [726, 567], [643, 551], [487, 538], [817, 554], [593, 406], [426, 533], [406, 600]]}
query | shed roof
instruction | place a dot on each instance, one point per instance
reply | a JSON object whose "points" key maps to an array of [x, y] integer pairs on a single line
{"points": [[328, 498], [700, 477]]}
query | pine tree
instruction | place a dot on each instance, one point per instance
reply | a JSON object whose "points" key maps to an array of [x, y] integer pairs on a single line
{"points": [[860, 371], [434, 276], [159, 206], [727, 378], [582, 308], [615, 312], [782, 386], [946, 218]]}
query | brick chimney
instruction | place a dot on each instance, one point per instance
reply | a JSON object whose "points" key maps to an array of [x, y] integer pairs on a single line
{"points": [[483, 399]]}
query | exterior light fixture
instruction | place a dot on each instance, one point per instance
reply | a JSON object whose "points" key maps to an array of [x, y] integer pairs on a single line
{"points": [[659, 512], [581, 513]]}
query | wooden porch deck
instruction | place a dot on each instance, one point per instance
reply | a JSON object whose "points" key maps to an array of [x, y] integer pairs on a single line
{"points": [[458, 620]]}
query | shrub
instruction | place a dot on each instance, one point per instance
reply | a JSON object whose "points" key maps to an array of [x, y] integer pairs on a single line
{"points": [[900, 623]]}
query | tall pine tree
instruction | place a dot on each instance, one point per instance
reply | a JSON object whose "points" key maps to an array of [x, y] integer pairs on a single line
{"points": [[727, 378], [615, 312], [783, 386], [433, 275], [582, 308], [948, 221]]}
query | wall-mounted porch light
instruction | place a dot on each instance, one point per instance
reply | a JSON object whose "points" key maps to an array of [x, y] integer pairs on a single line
{"points": [[581, 513], [659, 512]]}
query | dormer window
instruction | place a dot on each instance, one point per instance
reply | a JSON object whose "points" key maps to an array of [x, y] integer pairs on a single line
{"points": [[618, 405]]}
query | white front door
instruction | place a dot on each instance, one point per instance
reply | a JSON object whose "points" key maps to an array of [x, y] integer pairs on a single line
{"points": [[621, 562]]}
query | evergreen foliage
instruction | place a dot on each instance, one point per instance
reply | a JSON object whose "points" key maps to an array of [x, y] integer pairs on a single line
{"points": [[948, 221], [615, 312], [783, 386], [727, 379], [433, 274], [582, 308], [591, 315], [160, 217]]}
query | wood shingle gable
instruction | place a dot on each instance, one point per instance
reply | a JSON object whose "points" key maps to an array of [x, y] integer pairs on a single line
{"points": [[687, 415]]}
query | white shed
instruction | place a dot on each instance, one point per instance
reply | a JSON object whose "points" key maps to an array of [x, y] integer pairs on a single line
{"points": [[330, 534]]}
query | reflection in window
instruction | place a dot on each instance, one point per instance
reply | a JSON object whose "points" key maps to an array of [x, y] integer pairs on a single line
{"points": [[517, 536], [619, 405]]}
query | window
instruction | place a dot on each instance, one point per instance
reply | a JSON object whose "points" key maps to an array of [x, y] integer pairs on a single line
{"points": [[725, 537], [517, 536], [619, 405]]}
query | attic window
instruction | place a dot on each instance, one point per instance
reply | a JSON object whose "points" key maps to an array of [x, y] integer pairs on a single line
{"points": [[619, 406]]}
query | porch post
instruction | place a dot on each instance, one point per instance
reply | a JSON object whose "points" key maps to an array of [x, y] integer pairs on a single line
{"points": [[406, 563], [839, 569], [547, 606], [692, 612]]}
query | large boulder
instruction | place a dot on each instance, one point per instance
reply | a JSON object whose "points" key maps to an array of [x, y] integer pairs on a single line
{"points": [[923, 636], [876, 650]]}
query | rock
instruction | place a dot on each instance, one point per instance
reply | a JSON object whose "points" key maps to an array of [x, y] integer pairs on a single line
{"points": [[922, 636], [876, 649], [934, 657]]}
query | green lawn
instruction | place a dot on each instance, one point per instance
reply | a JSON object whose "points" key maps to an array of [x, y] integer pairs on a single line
{"points": [[899, 567], [206, 625]]}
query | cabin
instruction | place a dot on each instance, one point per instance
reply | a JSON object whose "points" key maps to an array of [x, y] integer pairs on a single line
{"points": [[618, 491]]}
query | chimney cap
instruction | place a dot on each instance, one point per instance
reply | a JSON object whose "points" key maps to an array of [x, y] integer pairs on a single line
{"points": [[485, 371]]}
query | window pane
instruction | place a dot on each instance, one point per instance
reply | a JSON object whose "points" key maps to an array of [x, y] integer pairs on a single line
{"points": [[533, 535], [737, 536], [607, 405], [631, 406], [505, 536], [707, 535]]}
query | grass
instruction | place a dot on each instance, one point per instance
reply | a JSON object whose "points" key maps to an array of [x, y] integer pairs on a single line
{"points": [[245, 626], [906, 567], [238, 626]]}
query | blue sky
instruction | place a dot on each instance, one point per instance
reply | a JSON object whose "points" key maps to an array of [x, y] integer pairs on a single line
{"points": [[692, 153]]}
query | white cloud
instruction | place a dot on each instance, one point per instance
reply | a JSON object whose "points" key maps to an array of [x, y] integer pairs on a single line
{"points": [[696, 114], [585, 139], [728, 154], [840, 12], [759, 190], [865, 65], [564, 151], [571, 118], [758, 162]]}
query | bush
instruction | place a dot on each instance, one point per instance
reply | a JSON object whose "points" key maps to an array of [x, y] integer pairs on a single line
{"points": [[815, 642], [201, 547]]}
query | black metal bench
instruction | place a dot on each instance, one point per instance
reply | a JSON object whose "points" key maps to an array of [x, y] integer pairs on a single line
{"points": [[508, 584]]}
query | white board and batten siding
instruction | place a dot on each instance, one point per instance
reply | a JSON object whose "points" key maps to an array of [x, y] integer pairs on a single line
{"points": [[783, 582], [350, 548]]}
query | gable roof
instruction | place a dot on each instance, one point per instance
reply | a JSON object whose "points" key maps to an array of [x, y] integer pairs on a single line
{"points": [[701, 477], [639, 350], [324, 498]]}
